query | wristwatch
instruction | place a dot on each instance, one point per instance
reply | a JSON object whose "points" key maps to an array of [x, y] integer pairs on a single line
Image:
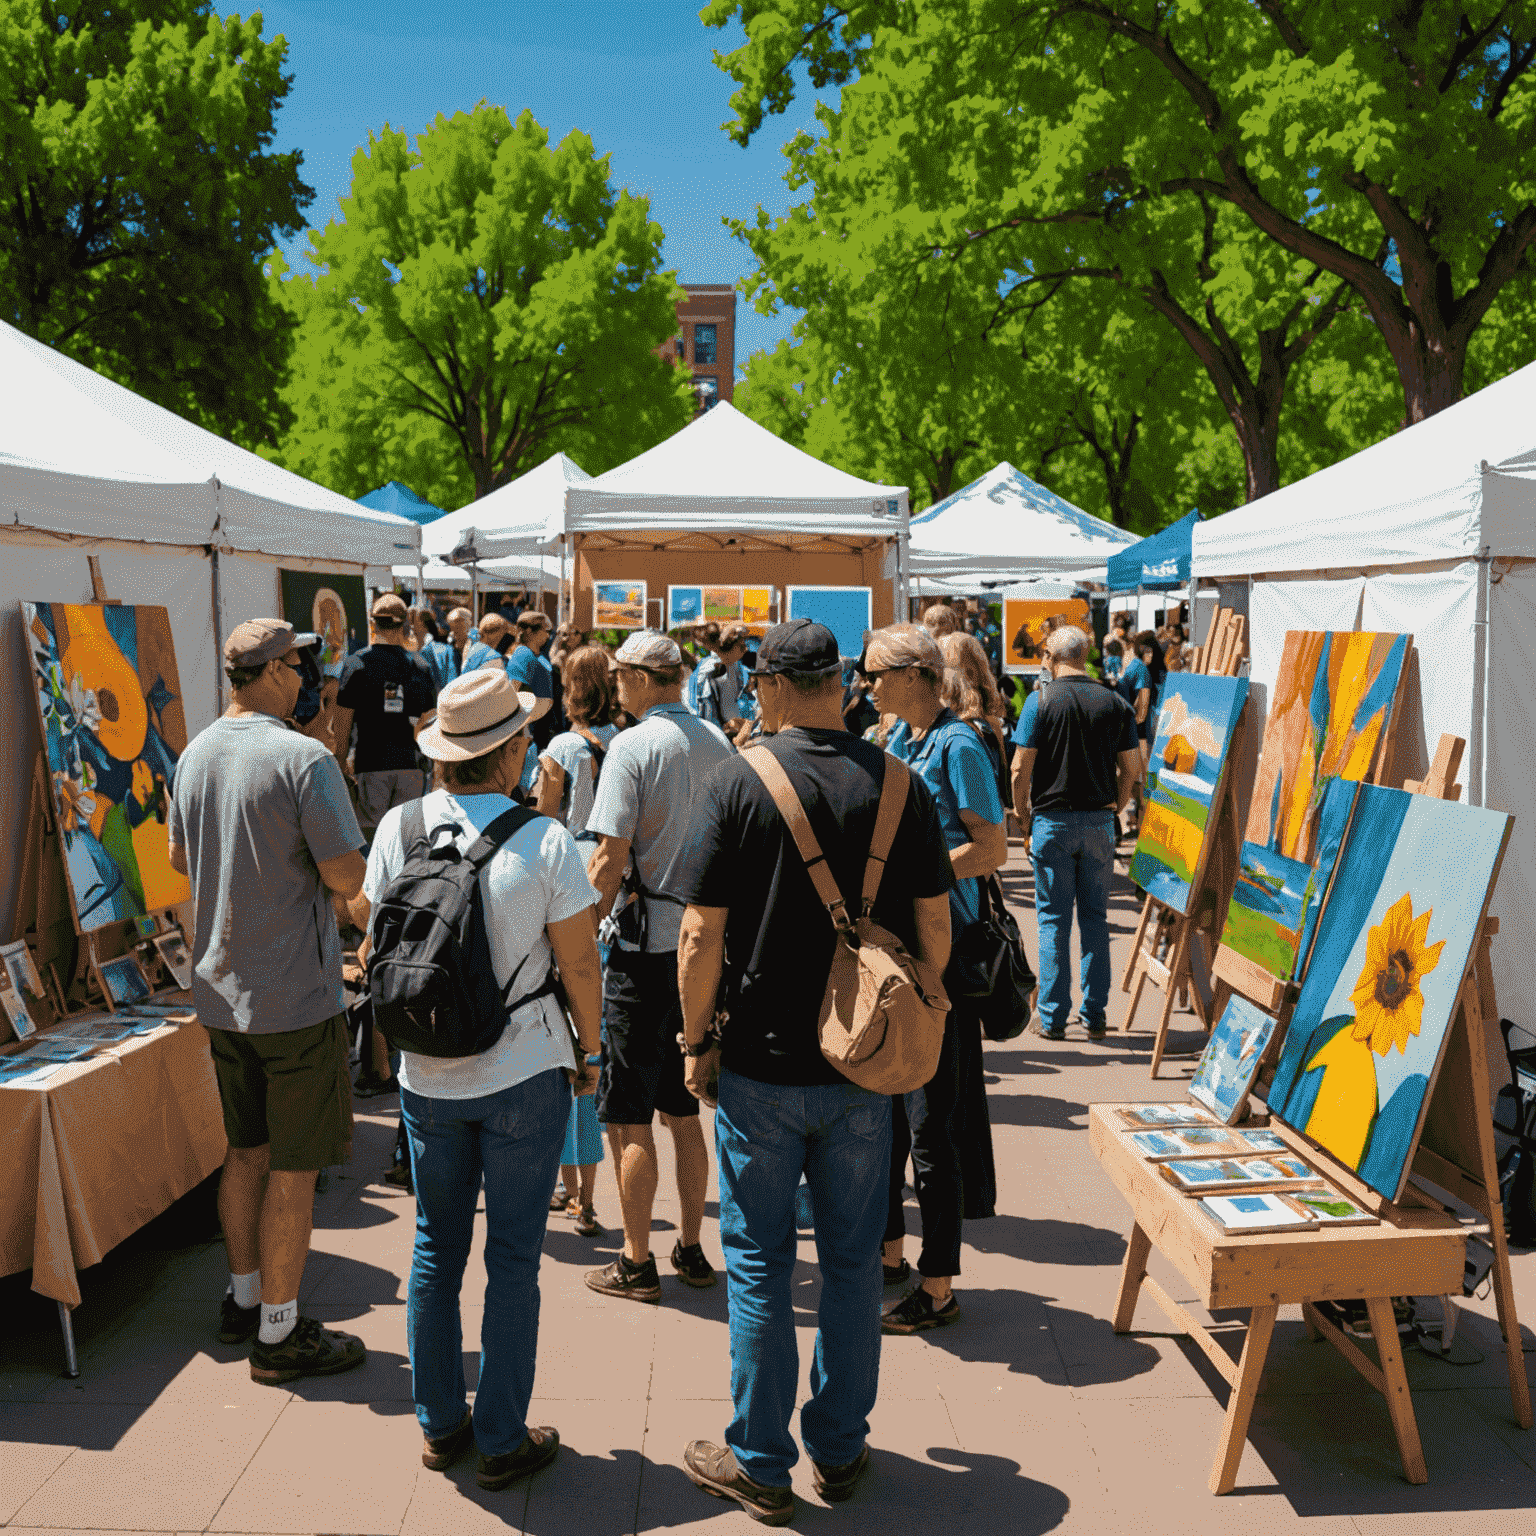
{"points": [[703, 1048]]}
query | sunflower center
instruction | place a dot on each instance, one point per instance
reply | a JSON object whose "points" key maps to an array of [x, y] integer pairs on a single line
{"points": [[1394, 980]]}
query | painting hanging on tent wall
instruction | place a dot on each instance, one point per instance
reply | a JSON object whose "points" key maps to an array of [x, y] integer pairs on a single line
{"points": [[330, 604], [1195, 722], [1369, 1029], [1028, 621], [685, 606], [110, 708], [1330, 717], [618, 605]]}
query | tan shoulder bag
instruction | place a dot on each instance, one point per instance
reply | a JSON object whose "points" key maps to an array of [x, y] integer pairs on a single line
{"points": [[882, 1020]]}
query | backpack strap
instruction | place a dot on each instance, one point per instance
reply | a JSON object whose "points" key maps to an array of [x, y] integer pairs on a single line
{"points": [[893, 800], [768, 768], [413, 827], [505, 826]]}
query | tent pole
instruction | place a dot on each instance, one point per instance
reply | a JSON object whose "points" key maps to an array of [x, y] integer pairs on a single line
{"points": [[218, 600], [1477, 777]]}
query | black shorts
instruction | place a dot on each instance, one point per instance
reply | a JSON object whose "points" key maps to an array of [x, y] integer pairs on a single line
{"points": [[642, 1018], [291, 1092]]}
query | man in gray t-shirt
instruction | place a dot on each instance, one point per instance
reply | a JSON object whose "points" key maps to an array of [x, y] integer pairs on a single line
{"points": [[261, 822], [654, 778]]}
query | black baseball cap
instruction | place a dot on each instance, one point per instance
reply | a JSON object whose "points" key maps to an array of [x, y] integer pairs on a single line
{"points": [[799, 648]]}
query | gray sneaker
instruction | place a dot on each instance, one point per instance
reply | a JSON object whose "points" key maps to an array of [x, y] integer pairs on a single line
{"points": [[309, 1350]]}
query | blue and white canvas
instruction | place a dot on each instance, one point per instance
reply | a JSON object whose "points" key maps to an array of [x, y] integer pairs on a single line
{"points": [[1231, 1058], [685, 605], [1195, 722], [1369, 1029], [844, 610]]}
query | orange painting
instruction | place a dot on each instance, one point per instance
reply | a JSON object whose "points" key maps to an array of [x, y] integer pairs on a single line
{"points": [[1028, 620]]}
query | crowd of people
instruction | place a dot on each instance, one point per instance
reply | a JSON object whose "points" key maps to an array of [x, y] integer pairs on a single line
{"points": [[652, 941]]}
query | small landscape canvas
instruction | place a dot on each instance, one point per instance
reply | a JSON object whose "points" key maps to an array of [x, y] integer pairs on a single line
{"points": [[1262, 1141], [685, 606], [1160, 1116], [618, 605], [1190, 1141], [722, 604], [172, 949], [14, 1005], [1370, 1025], [1253, 1213], [1232, 1172], [1330, 715], [1195, 722], [1328, 1208], [124, 980], [1231, 1058], [109, 705]]}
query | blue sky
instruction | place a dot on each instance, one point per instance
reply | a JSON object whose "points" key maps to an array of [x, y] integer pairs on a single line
{"points": [[638, 76]]}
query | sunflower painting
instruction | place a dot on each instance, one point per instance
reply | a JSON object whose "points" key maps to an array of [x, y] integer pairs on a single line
{"points": [[1393, 944], [1330, 716], [109, 703]]}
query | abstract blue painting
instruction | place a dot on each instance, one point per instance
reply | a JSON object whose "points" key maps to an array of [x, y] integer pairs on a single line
{"points": [[1231, 1058], [844, 610], [1369, 1029], [685, 605]]}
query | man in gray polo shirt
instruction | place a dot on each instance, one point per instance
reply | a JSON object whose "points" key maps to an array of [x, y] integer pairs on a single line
{"points": [[653, 782], [261, 822]]}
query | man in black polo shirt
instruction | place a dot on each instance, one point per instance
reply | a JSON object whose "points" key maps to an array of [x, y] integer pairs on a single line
{"points": [[384, 690], [754, 919], [1076, 762]]}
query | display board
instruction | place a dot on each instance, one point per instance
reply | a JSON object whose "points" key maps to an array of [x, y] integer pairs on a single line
{"points": [[1382, 987], [333, 606], [110, 710], [752, 606], [618, 605], [1028, 620], [846, 611]]}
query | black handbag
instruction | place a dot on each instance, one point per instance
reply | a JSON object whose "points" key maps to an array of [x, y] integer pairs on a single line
{"points": [[989, 968]]}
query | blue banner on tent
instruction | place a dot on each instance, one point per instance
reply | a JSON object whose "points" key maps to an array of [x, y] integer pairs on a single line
{"points": [[1159, 562]]}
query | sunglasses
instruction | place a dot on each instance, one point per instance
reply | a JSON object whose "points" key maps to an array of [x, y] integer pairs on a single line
{"points": [[874, 674]]}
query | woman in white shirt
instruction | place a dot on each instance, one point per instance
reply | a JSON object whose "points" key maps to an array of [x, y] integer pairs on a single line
{"points": [[498, 1117]]}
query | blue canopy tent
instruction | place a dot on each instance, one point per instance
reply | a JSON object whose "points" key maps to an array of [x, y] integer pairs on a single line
{"points": [[402, 501], [1159, 562]]}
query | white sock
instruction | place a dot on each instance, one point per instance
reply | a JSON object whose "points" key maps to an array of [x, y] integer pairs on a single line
{"points": [[246, 1289], [278, 1321]]}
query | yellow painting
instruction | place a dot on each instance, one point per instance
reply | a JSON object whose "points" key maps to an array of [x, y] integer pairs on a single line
{"points": [[756, 606]]}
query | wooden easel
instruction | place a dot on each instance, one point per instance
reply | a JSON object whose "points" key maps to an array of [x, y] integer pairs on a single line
{"points": [[1161, 952]]}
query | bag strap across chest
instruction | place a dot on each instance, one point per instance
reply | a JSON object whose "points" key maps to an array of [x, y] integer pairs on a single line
{"points": [[413, 833], [893, 799]]}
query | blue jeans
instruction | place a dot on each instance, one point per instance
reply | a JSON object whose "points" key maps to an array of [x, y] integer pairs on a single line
{"points": [[1074, 857], [766, 1136], [511, 1139]]}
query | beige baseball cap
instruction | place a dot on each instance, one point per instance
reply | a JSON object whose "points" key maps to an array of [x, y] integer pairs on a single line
{"points": [[649, 648], [390, 608], [258, 641]]}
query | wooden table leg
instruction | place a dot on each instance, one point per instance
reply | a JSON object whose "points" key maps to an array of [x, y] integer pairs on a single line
{"points": [[1234, 1434], [1395, 1381], [1132, 1272]]}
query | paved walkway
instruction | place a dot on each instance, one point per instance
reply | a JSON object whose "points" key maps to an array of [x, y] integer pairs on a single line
{"points": [[1029, 1416]]}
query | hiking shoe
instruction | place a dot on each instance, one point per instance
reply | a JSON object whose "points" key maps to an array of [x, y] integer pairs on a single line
{"points": [[309, 1350], [691, 1265], [917, 1312], [1050, 1034], [237, 1324], [1095, 1031], [895, 1274], [537, 1450], [713, 1468], [440, 1454], [835, 1484], [371, 1087], [586, 1222], [399, 1174], [635, 1282]]}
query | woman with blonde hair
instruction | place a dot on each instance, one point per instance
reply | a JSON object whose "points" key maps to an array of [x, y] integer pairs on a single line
{"points": [[971, 691], [944, 1124]]}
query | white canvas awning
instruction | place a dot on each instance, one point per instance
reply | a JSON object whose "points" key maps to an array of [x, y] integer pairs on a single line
{"points": [[521, 519], [1004, 527], [542, 573], [82, 456]]}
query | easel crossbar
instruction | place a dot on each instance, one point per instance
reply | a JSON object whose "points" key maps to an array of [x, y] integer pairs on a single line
{"points": [[1346, 1346]]}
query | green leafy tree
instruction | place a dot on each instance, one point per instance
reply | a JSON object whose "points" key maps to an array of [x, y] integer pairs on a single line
{"points": [[482, 302], [141, 197]]}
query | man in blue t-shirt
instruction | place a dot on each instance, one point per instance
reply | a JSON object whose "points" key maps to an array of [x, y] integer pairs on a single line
{"points": [[1076, 762]]}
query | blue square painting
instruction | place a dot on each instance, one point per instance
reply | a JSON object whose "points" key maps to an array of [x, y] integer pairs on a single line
{"points": [[1370, 1026], [1231, 1059], [685, 605], [1195, 722], [844, 610]]}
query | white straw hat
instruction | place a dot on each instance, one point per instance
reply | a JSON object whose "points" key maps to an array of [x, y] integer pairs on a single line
{"points": [[476, 713]]}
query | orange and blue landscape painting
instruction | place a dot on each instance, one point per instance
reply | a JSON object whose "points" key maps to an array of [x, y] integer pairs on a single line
{"points": [[1195, 722], [1369, 1029]]}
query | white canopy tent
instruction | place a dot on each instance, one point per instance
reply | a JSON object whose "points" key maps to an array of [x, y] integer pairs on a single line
{"points": [[1432, 533], [173, 516], [1005, 527], [523, 518], [540, 573]]}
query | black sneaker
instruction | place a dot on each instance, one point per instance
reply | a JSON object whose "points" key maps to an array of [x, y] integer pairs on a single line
{"points": [[691, 1265], [917, 1312], [835, 1484], [895, 1274], [309, 1350], [237, 1324], [635, 1282], [371, 1087], [540, 1446]]}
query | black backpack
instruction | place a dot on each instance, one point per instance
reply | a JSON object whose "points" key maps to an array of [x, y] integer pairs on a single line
{"points": [[430, 976]]}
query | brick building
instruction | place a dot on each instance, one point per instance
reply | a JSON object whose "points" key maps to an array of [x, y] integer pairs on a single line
{"points": [[706, 340]]}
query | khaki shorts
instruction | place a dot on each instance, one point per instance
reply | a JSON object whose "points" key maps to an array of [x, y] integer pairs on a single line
{"points": [[381, 790], [291, 1092]]}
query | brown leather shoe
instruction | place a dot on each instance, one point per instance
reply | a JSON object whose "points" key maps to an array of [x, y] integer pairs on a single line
{"points": [[713, 1468], [835, 1484], [537, 1450], [440, 1454]]}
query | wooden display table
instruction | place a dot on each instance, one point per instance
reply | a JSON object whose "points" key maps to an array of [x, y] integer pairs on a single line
{"points": [[1412, 1252]]}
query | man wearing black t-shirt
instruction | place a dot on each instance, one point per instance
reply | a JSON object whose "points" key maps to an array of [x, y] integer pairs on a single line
{"points": [[754, 921], [1076, 762], [384, 690]]}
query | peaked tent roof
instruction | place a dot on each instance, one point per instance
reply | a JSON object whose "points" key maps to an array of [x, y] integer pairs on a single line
{"points": [[1006, 526], [399, 500], [1160, 561], [1460, 483], [724, 475], [517, 520], [82, 455]]}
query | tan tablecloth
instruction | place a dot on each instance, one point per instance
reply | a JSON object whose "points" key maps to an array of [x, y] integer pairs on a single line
{"points": [[102, 1147]]}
